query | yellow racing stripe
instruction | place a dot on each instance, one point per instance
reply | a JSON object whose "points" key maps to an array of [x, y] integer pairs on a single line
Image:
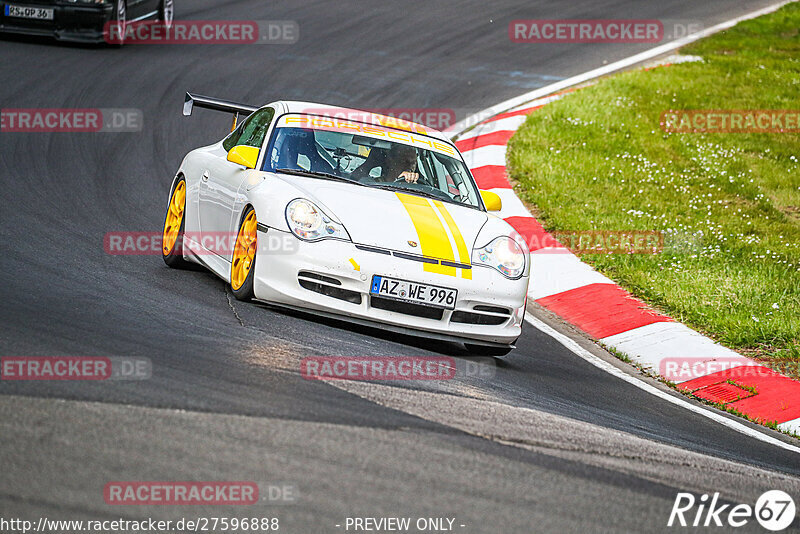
{"points": [[432, 236], [463, 253]]}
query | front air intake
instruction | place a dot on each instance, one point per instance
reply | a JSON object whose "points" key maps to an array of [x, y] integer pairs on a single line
{"points": [[326, 285], [407, 308]]}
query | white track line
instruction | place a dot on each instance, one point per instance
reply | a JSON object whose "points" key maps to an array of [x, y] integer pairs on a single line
{"points": [[607, 69], [635, 381]]}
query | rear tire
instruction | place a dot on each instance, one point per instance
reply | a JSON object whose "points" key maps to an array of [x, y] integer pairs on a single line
{"points": [[120, 18], [243, 261], [483, 350], [166, 13], [174, 227]]}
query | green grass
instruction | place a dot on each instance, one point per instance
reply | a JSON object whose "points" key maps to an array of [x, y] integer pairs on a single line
{"points": [[728, 204]]}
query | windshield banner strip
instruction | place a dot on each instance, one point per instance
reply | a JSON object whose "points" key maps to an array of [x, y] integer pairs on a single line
{"points": [[346, 126]]}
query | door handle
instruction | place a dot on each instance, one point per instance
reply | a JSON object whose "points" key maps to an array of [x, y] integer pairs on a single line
{"points": [[205, 176]]}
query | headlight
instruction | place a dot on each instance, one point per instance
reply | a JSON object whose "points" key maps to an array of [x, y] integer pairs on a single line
{"points": [[309, 222], [503, 254]]}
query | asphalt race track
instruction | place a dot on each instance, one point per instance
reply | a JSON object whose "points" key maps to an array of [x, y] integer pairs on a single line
{"points": [[550, 443]]}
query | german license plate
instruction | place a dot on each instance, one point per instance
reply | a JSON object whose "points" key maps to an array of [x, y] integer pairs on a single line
{"points": [[27, 12], [428, 295]]}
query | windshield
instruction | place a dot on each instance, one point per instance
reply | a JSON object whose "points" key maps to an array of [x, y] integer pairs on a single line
{"points": [[363, 156]]}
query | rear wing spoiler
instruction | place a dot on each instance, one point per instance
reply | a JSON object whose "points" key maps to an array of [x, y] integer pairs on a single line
{"points": [[216, 104]]}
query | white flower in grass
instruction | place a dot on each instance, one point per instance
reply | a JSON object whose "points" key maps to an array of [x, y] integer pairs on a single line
{"points": [[753, 317], [774, 305]]}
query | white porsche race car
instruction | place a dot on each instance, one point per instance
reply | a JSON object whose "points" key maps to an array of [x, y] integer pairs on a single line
{"points": [[374, 220]]}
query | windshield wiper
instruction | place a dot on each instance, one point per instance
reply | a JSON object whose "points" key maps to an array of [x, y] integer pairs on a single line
{"points": [[415, 192], [318, 174]]}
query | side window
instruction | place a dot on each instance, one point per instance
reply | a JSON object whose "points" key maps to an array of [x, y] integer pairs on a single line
{"points": [[251, 131]]}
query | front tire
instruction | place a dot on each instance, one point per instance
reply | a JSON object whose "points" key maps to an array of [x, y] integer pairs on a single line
{"points": [[484, 350], [174, 227], [243, 262]]}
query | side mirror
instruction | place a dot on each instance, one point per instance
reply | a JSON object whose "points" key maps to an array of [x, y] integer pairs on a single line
{"points": [[246, 156], [491, 201]]}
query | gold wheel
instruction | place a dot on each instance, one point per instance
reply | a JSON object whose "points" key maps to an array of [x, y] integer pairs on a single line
{"points": [[172, 223], [244, 252]]}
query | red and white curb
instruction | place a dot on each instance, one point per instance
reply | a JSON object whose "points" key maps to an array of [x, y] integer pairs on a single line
{"points": [[571, 289]]}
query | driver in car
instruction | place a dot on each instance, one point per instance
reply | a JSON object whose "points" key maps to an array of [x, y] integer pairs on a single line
{"points": [[401, 162], [398, 163]]}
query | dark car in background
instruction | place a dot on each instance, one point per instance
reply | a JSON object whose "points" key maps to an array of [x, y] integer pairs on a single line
{"points": [[78, 20]]}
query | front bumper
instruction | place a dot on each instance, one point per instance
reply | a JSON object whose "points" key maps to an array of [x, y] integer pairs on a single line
{"points": [[71, 22], [321, 277]]}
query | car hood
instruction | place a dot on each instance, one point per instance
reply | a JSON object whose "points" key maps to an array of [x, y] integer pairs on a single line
{"points": [[398, 221]]}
